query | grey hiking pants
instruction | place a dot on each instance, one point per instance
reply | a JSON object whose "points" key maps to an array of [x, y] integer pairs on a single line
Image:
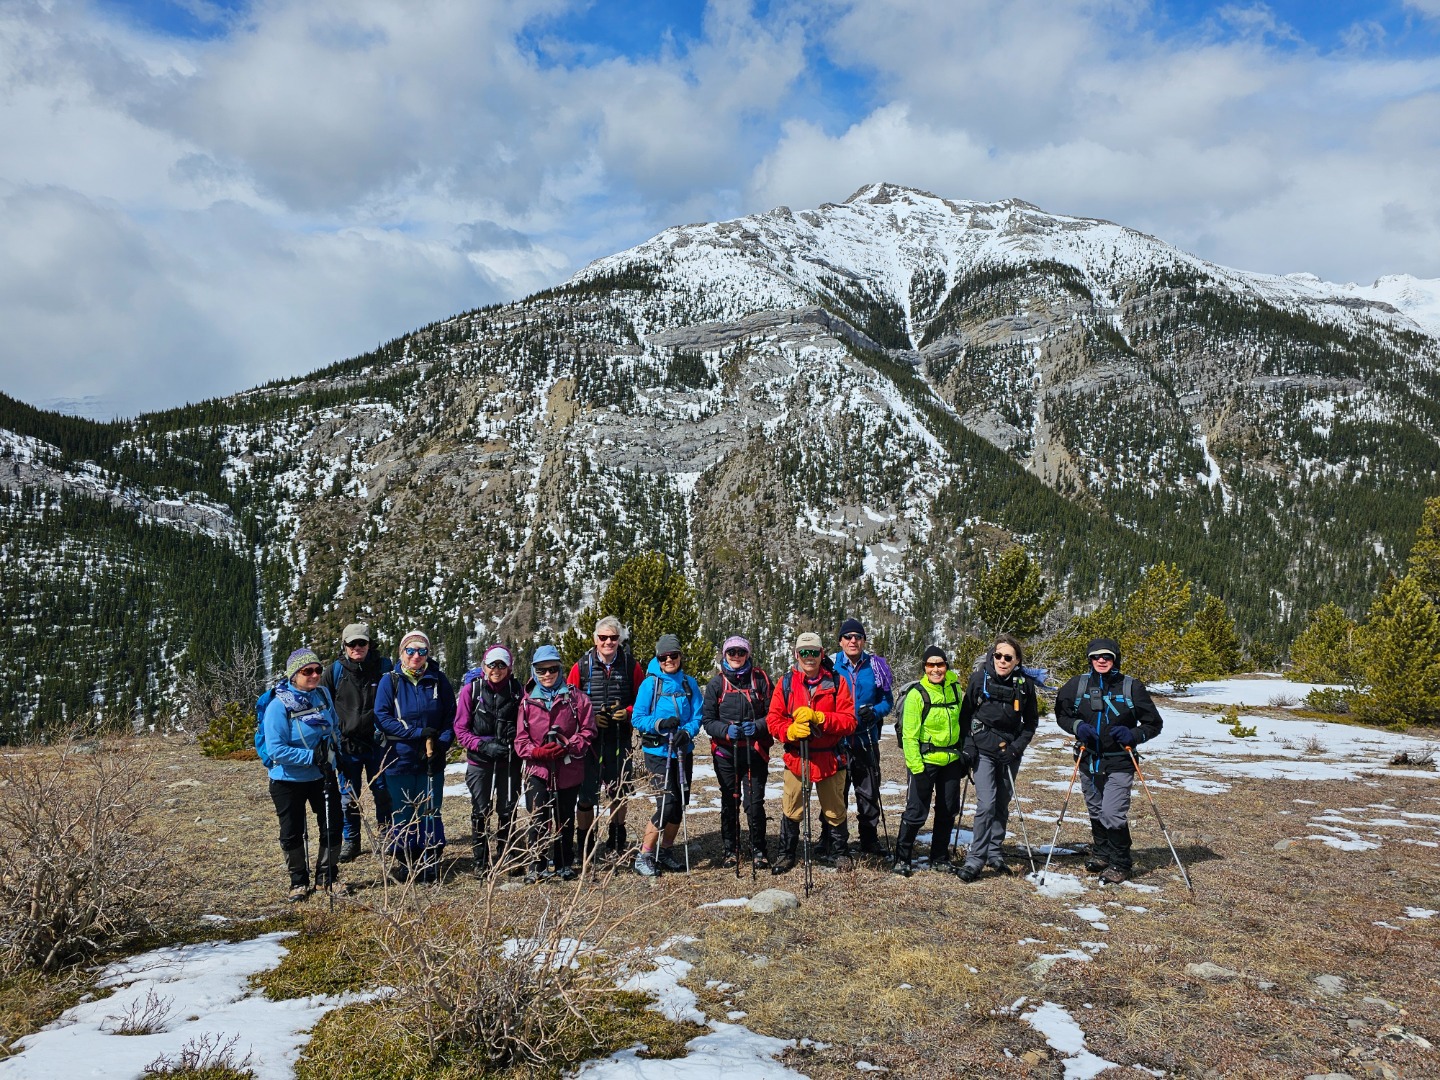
{"points": [[992, 810], [1107, 797]]}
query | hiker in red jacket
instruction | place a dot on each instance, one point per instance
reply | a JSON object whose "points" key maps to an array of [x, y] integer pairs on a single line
{"points": [[812, 710]]}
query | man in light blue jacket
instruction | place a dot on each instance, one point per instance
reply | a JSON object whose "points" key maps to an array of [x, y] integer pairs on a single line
{"points": [[300, 733], [667, 715]]}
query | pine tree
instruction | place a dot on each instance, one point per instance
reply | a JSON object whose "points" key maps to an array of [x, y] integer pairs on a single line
{"points": [[1152, 620], [1211, 643], [1325, 650], [457, 650], [1399, 658], [650, 598], [1425, 554], [1012, 597], [1065, 651]]}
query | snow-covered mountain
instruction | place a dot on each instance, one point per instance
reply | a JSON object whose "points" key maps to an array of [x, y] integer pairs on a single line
{"points": [[821, 412]]}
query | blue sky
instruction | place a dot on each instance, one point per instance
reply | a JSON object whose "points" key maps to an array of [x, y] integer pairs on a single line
{"points": [[202, 195]]}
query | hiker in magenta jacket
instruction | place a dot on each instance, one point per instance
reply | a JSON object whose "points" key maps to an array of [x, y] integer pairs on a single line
{"points": [[553, 733]]}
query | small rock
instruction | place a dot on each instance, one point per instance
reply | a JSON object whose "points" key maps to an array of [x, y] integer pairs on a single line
{"points": [[770, 901], [760, 961], [685, 950], [1329, 1076], [1379, 1070], [1381, 1002], [192, 782], [1208, 970], [1329, 985], [1034, 1057], [1355, 1024], [1262, 984], [1284, 845], [1396, 1033]]}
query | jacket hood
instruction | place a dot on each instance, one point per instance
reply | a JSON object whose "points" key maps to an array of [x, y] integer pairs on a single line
{"points": [[1103, 644]]}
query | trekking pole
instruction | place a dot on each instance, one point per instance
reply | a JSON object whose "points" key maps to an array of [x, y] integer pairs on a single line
{"points": [[1061, 819], [879, 796], [960, 817], [1015, 801], [1135, 761], [805, 809], [739, 802], [328, 777], [665, 791], [684, 814]]}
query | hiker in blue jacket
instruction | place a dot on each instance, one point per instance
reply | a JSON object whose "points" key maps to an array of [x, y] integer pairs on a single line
{"points": [[667, 715], [415, 710], [300, 732], [871, 685]]}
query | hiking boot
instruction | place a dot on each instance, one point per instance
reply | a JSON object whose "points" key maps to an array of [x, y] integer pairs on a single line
{"points": [[336, 888], [350, 849], [902, 867], [877, 850], [645, 864], [1096, 865], [532, 876], [761, 861], [666, 860], [944, 866], [298, 893], [968, 873], [1000, 868], [1114, 875], [789, 843], [725, 862], [568, 873]]}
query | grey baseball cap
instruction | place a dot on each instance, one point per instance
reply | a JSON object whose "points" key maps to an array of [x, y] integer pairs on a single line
{"points": [[356, 631]]}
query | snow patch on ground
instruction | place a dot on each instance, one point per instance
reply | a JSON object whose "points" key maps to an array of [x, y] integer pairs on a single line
{"points": [[1061, 1031]]}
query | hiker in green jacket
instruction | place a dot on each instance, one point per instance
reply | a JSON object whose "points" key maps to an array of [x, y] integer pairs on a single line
{"points": [[931, 737]]}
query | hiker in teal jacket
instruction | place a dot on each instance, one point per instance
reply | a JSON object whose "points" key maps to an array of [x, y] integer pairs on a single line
{"points": [[667, 715], [932, 738], [300, 733]]}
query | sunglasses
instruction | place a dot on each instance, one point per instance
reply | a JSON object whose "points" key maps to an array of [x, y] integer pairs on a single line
{"points": [[1107, 657], [737, 652], [852, 637], [415, 651], [667, 656], [547, 669], [1010, 656], [496, 664], [312, 670], [809, 654], [362, 643], [936, 663], [607, 637]]}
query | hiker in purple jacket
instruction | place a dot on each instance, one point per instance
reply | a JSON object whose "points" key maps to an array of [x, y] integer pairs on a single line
{"points": [[485, 718]]}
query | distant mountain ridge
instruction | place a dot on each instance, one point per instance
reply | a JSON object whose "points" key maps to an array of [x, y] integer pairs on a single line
{"points": [[822, 412]]}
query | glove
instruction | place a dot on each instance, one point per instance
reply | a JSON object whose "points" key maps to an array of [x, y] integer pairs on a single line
{"points": [[867, 716], [1085, 732], [817, 718], [748, 729], [668, 724], [1123, 735], [803, 715], [1008, 756], [547, 752], [732, 732], [800, 729], [969, 758], [494, 750], [602, 718], [321, 756], [428, 733]]}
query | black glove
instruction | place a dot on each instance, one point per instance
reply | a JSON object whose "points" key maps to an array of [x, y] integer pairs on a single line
{"points": [[1086, 733], [322, 757], [866, 715], [969, 758], [494, 750], [668, 724], [1123, 735], [1008, 755], [428, 733]]}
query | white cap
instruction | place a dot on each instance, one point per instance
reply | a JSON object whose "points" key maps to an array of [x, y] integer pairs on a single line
{"points": [[500, 653]]}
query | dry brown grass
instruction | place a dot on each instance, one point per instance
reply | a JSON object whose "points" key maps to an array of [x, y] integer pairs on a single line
{"points": [[833, 970]]}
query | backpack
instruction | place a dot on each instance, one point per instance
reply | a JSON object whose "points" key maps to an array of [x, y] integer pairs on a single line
{"points": [[1094, 695], [926, 704], [652, 741], [295, 706]]}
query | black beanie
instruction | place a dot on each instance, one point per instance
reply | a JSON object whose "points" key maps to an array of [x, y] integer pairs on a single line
{"points": [[851, 626], [1103, 645], [934, 652]]}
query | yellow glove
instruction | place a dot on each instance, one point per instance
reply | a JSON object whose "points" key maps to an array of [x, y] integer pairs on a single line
{"points": [[817, 718], [800, 729], [803, 715]]}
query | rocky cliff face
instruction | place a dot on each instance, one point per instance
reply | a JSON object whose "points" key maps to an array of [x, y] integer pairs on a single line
{"points": [[842, 410]]}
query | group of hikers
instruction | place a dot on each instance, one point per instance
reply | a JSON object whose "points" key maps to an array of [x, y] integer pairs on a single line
{"points": [[567, 741]]}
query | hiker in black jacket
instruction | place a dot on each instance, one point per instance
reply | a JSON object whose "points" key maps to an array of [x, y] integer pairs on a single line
{"points": [[733, 714], [1109, 714], [351, 681]]}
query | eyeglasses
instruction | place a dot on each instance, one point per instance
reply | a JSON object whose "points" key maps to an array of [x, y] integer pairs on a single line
{"points": [[852, 637], [311, 671], [547, 669], [667, 657], [1008, 656], [607, 637], [361, 644], [936, 663], [737, 652], [809, 654], [416, 651]]}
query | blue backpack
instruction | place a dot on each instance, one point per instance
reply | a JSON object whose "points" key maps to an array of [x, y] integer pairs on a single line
{"points": [[295, 707]]}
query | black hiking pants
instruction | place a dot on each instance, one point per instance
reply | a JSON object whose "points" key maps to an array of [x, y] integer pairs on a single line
{"points": [[552, 814], [942, 784], [493, 785], [291, 797], [742, 783], [864, 776]]}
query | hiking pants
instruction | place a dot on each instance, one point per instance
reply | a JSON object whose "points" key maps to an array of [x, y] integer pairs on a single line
{"points": [[552, 815], [415, 824], [864, 776], [942, 783], [492, 785], [671, 800], [993, 788], [291, 797], [742, 781], [830, 792], [353, 769], [1107, 797]]}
